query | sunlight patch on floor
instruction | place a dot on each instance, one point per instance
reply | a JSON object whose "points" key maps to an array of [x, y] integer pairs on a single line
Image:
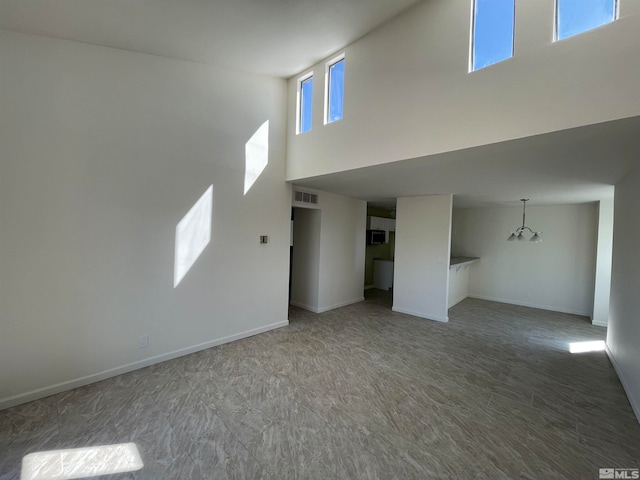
{"points": [[582, 347], [81, 462]]}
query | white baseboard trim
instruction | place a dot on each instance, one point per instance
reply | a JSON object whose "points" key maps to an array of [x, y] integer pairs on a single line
{"points": [[326, 309], [303, 306], [341, 304], [625, 385], [531, 305], [599, 324], [112, 372], [435, 318]]}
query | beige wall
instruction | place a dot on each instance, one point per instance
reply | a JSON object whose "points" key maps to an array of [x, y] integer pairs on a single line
{"points": [[103, 152], [342, 250], [623, 334], [557, 274], [408, 92]]}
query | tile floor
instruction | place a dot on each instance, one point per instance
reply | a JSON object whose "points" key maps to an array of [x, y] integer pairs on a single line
{"points": [[358, 393]]}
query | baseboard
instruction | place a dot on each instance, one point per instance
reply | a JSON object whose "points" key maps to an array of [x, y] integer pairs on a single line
{"points": [[303, 306], [531, 305], [326, 309], [341, 304], [625, 385], [112, 372], [599, 324], [368, 287], [420, 314]]}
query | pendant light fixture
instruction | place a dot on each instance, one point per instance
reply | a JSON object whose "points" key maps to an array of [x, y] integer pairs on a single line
{"points": [[519, 232]]}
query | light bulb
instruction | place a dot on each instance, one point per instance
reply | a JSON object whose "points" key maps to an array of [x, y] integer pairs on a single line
{"points": [[536, 238]]}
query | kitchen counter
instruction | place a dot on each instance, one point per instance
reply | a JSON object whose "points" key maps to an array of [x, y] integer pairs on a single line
{"points": [[460, 262]]}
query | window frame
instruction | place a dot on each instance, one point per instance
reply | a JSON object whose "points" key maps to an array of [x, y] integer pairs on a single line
{"points": [[556, 21], [327, 87], [472, 36], [299, 105]]}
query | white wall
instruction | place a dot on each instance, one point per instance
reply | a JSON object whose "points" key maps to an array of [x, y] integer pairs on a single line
{"points": [[342, 250], [458, 285], [423, 246], [602, 292], [103, 152], [623, 334], [305, 264], [557, 274], [409, 94]]}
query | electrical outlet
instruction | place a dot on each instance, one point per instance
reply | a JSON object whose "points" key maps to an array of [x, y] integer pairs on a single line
{"points": [[143, 341]]}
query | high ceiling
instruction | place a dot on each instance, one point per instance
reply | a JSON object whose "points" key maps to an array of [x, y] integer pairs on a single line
{"points": [[282, 37], [579, 165], [272, 37]]}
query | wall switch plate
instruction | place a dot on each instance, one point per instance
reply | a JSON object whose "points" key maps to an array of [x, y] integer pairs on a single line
{"points": [[143, 341]]}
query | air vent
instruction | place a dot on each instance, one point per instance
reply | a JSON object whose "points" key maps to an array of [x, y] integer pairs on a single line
{"points": [[306, 197]]}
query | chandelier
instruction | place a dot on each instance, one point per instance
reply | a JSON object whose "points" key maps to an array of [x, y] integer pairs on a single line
{"points": [[518, 234]]}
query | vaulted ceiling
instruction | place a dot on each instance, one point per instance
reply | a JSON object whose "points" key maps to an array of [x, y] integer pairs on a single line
{"points": [[282, 37], [272, 37]]}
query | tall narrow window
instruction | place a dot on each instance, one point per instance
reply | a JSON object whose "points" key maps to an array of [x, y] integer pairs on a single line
{"points": [[334, 92], [493, 29], [577, 16], [304, 112]]}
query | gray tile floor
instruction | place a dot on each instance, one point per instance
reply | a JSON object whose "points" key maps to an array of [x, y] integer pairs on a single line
{"points": [[358, 393]]}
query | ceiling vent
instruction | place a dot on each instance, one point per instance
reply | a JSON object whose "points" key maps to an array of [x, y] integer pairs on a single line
{"points": [[305, 197]]}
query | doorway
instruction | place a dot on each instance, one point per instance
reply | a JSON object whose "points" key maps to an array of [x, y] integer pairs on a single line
{"points": [[304, 276]]}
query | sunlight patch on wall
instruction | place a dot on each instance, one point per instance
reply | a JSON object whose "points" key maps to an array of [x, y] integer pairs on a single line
{"points": [[582, 347], [193, 234], [256, 155], [81, 462]]}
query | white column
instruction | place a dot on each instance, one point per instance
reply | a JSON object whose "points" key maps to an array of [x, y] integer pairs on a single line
{"points": [[602, 289], [423, 248]]}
